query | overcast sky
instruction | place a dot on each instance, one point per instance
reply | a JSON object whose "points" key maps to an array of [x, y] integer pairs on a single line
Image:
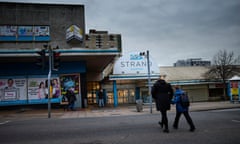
{"points": [[170, 29]]}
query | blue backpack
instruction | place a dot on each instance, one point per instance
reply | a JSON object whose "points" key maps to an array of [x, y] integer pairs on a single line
{"points": [[184, 100]]}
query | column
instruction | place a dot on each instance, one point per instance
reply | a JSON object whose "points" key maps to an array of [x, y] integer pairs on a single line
{"points": [[115, 95], [137, 93]]}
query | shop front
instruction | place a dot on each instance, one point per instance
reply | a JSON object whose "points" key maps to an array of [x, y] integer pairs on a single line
{"points": [[24, 83], [129, 81]]}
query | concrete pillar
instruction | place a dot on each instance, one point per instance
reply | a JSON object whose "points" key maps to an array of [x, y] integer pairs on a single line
{"points": [[115, 95], [137, 93], [105, 98]]}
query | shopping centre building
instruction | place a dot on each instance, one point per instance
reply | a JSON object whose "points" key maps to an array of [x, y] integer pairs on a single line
{"points": [[26, 29]]}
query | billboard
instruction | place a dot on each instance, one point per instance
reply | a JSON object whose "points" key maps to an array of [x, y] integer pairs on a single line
{"points": [[38, 90], [28, 90], [13, 90], [24, 33]]}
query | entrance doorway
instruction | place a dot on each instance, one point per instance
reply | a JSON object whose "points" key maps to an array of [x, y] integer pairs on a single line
{"points": [[126, 96], [93, 87]]}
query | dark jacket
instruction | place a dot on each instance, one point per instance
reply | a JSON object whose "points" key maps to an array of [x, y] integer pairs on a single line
{"points": [[176, 101], [162, 92], [100, 95], [71, 96]]}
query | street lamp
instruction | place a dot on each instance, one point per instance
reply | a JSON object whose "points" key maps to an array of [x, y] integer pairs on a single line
{"points": [[149, 80]]}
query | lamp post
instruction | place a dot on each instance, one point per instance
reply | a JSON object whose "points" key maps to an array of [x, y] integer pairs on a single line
{"points": [[149, 80], [49, 77], [49, 82]]}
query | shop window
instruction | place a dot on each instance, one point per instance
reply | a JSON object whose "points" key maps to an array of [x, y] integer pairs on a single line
{"points": [[92, 87]]}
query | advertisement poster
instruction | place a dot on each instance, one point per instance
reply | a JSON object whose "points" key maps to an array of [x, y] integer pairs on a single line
{"points": [[25, 31], [38, 88], [234, 88], [13, 89], [41, 31], [8, 30], [70, 81]]}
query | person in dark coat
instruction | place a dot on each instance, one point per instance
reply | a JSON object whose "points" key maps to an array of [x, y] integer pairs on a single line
{"points": [[162, 92], [181, 110], [71, 99], [100, 98]]}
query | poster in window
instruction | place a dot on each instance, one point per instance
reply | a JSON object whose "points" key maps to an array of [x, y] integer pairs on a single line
{"points": [[13, 89], [71, 81], [38, 88]]}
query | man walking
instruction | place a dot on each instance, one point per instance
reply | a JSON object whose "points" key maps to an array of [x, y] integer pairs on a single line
{"points": [[162, 92]]}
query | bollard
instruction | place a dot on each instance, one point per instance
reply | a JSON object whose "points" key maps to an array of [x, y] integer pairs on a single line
{"points": [[139, 105]]}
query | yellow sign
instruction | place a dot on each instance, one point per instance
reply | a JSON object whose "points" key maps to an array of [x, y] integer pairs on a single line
{"points": [[234, 91]]}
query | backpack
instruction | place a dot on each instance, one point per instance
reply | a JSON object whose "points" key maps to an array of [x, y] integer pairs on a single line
{"points": [[184, 100]]}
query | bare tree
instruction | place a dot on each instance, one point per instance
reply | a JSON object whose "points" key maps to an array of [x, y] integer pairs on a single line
{"points": [[224, 67]]}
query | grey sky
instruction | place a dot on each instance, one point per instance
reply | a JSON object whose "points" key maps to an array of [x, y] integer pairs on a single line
{"points": [[170, 29]]}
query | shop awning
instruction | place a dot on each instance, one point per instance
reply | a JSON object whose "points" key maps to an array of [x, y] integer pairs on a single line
{"points": [[133, 77]]}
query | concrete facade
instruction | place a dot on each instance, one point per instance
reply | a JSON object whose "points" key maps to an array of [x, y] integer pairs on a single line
{"points": [[191, 79], [58, 17], [192, 62]]}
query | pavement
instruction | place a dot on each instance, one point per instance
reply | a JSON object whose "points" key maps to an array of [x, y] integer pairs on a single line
{"points": [[108, 111]]}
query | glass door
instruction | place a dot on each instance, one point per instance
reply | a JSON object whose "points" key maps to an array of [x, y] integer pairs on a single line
{"points": [[126, 96], [93, 87]]}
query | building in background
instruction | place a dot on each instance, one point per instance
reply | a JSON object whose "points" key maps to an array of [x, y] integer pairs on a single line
{"points": [[192, 62], [102, 40], [191, 79]]}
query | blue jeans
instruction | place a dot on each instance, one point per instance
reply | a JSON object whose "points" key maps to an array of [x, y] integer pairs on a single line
{"points": [[71, 106], [101, 103]]}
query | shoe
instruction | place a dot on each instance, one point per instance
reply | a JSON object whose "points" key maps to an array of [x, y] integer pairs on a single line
{"points": [[192, 129], [166, 131], [175, 127], [161, 124]]}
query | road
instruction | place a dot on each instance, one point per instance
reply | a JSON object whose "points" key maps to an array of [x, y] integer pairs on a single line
{"points": [[213, 127]]}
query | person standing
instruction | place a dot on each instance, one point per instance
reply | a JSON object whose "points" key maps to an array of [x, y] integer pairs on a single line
{"points": [[180, 109], [100, 98], [162, 92], [71, 99]]}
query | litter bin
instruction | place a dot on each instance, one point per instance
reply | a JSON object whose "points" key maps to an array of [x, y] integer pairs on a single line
{"points": [[139, 105]]}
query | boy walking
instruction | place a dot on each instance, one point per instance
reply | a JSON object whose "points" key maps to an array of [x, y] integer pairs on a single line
{"points": [[181, 109]]}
